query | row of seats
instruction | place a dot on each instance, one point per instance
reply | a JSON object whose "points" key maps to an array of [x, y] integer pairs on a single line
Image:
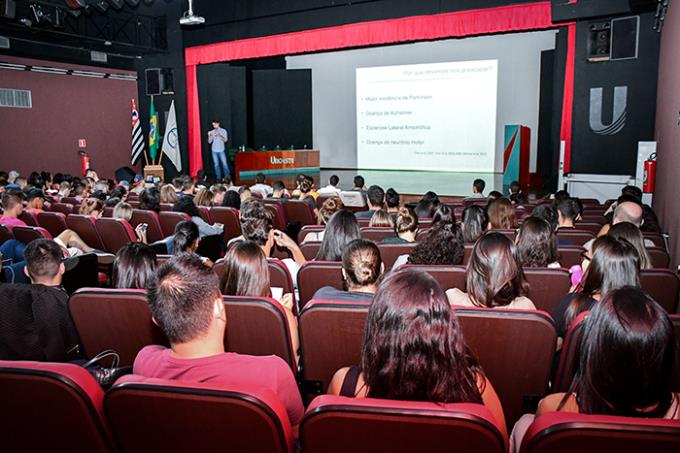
{"points": [[517, 358], [62, 407]]}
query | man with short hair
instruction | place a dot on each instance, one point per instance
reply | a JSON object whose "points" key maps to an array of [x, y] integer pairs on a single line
{"points": [[376, 201], [478, 186], [218, 138], [279, 191], [568, 212], [188, 186], [12, 208], [515, 187], [36, 201], [186, 303], [37, 325], [260, 186], [332, 187]]}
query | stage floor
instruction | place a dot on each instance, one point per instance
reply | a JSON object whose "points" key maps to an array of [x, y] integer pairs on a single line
{"points": [[454, 184]]}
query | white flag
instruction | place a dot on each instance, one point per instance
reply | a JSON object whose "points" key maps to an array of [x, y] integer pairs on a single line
{"points": [[170, 140]]}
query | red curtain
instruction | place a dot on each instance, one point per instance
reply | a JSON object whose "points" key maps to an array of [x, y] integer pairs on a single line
{"points": [[534, 16], [568, 97]]}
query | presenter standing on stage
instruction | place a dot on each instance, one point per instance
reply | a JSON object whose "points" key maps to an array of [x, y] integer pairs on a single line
{"points": [[218, 139]]}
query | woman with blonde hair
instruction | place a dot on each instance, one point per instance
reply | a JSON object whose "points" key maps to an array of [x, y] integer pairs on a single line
{"points": [[168, 194]]}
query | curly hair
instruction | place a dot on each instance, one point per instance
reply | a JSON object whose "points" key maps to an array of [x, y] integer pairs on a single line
{"points": [[441, 245]]}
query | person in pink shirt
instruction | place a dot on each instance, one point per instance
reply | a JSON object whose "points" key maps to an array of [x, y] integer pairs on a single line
{"points": [[12, 207], [186, 303]]}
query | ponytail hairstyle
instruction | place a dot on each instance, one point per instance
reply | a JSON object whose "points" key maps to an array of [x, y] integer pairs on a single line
{"points": [[406, 221], [186, 237], [328, 208], [362, 264]]}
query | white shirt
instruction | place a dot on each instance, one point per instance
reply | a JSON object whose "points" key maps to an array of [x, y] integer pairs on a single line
{"points": [[263, 189], [216, 143], [329, 190]]}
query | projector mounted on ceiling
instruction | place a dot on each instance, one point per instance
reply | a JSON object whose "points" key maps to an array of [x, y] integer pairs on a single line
{"points": [[189, 18]]}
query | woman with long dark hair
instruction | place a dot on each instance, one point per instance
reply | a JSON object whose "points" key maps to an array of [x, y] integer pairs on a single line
{"points": [[474, 223], [186, 205], [186, 239], [342, 228], [494, 277], [537, 243], [414, 350], [610, 264], [134, 266]]}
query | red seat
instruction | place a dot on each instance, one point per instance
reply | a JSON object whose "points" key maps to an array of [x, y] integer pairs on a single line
{"points": [[51, 407], [657, 238], [84, 226], [563, 432], [314, 275], [153, 230], [515, 349], [5, 233], [134, 204], [299, 211], [508, 233], [278, 214], [64, 208], [477, 201], [659, 257], [117, 319], [27, 234], [28, 218], [73, 201], [108, 211], [279, 277], [547, 286], [54, 222], [331, 335], [570, 255], [336, 424], [310, 250], [229, 217], [307, 229], [204, 211], [675, 382], [390, 252], [575, 237], [165, 207], [169, 221], [363, 222], [663, 285], [160, 415], [447, 276], [258, 326], [377, 234], [566, 370], [115, 233], [467, 253], [593, 227]]}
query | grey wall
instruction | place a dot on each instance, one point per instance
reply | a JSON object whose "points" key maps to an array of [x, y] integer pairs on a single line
{"points": [[333, 85]]}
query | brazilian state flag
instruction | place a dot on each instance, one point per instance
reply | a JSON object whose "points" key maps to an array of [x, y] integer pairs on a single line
{"points": [[153, 132]]}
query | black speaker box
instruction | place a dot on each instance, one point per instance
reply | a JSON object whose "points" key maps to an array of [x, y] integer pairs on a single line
{"points": [[153, 81], [599, 41], [125, 174]]}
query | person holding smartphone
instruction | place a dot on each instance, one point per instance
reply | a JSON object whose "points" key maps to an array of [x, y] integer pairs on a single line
{"points": [[218, 138]]}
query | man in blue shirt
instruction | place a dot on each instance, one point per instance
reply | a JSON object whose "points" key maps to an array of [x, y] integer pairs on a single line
{"points": [[218, 138]]}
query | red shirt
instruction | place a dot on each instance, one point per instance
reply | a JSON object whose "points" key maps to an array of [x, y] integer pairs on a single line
{"points": [[12, 221], [228, 368]]}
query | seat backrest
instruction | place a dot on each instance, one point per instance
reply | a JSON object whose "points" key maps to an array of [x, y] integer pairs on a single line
{"points": [[279, 277], [117, 319], [568, 364], [299, 211], [27, 234], [547, 286], [447, 276], [161, 415], [84, 226], [570, 255], [593, 227], [169, 221], [562, 432], [71, 200], [576, 237], [54, 222], [310, 250], [659, 257], [258, 326], [64, 208], [675, 319], [314, 275], [334, 424], [331, 335], [467, 253], [508, 233], [51, 407], [115, 233], [663, 285], [153, 230], [377, 234], [515, 349], [656, 238], [229, 217], [307, 229], [5, 233], [29, 218], [278, 214], [167, 206], [108, 211], [390, 252], [204, 211], [85, 274]]}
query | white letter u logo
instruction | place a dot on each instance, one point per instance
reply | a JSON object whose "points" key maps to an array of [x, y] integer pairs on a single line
{"points": [[618, 117]]}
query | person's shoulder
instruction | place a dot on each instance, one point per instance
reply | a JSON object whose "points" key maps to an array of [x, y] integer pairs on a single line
{"points": [[552, 402], [523, 303], [458, 297], [325, 291]]}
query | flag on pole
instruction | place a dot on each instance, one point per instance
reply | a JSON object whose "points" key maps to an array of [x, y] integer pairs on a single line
{"points": [[170, 142], [153, 133], [137, 137]]}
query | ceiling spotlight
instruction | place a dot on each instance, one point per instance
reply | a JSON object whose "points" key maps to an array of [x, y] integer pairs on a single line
{"points": [[189, 18]]}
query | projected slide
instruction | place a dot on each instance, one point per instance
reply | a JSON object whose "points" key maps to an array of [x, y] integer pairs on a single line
{"points": [[439, 116]]}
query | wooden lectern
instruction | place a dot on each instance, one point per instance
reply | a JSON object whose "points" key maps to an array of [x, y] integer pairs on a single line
{"points": [[154, 170]]}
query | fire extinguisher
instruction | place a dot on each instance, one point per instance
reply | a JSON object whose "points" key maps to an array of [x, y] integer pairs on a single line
{"points": [[84, 161], [650, 174]]}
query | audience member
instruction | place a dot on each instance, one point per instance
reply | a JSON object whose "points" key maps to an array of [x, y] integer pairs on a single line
{"points": [[123, 211], [187, 206], [392, 201], [474, 224], [442, 215], [332, 187], [232, 200], [632, 234], [559, 196], [494, 277], [414, 350], [548, 213], [494, 195], [186, 302], [406, 227], [568, 213], [204, 198], [375, 199], [92, 207], [167, 194], [478, 186], [218, 191], [188, 185], [261, 186], [329, 207], [361, 270], [36, 201], [426, 206], [342, 228], [501, 215], [440, 245], [279, 191], [537, 244], [244, 193], [12, 207], [381, 219], [134, 266]]}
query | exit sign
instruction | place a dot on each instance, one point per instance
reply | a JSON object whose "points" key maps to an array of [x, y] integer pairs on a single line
{"points": [[82, 143]]}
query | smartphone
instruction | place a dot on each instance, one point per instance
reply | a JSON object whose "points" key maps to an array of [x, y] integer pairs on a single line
{"points": [[144, 226]]}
